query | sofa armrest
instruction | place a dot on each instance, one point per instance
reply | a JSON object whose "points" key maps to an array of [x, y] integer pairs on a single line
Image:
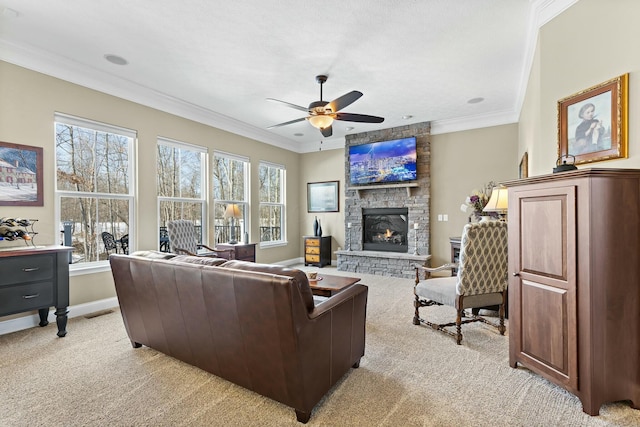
{"points": [[346, 294]]}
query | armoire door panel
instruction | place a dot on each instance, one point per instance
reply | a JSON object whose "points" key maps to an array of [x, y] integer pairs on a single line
{"points": [[543, 222], [545, 325]]}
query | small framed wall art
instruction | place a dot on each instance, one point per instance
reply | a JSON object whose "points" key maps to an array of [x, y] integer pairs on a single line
{"points": [[523, 171], [20, 175], [323, 196], [592, 124]]}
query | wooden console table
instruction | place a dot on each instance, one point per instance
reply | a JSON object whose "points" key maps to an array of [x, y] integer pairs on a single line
{"points": [[36, 278]]}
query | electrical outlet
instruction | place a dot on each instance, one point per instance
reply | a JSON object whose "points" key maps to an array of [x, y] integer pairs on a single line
{"points": [[439, 217], [445, 217]]}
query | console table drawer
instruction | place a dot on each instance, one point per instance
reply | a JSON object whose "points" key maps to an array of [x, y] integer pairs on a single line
{"points": [[312, 258], [312, 242], [313, 250], [32, 268], [15, 299]]}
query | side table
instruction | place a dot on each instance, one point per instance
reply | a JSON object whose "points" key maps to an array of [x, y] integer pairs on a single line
{"points": [[240, 251]]}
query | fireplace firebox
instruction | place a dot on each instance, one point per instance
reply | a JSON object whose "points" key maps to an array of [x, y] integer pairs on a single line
{"points": [[385, 229]]}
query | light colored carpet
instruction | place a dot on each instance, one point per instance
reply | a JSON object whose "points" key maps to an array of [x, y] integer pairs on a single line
{"points": [[409, 376]]}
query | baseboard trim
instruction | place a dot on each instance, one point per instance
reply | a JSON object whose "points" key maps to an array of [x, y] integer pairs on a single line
{"points": [[26, 322]]}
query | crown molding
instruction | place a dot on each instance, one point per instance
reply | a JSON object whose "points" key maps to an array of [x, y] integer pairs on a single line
{"points": [[74, 72]]}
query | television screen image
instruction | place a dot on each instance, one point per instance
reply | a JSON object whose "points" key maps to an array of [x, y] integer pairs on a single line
{"points": [[383, 162]]}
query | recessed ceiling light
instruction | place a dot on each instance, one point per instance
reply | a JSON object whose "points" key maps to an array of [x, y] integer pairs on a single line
{"points": [[298, 134], [475, 100], [115, 59], [406, 117]]}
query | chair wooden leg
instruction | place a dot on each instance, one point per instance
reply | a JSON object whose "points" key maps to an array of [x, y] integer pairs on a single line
{"points": [[459, 327], [501, 328], [416, 315]]}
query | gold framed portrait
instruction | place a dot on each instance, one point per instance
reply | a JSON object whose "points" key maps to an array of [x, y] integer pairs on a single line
{"points": [[592, 124]]}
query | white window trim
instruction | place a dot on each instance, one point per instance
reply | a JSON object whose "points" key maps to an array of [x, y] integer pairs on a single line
{"points": [[247, 188], [98, 266], [283, 191], [204, 190]]}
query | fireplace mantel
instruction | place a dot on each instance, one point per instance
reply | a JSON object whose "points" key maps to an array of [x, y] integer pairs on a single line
{"points": [[407, 186]]}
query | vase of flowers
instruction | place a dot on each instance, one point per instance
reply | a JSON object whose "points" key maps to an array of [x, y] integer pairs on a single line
{"points": [[475, 202]]}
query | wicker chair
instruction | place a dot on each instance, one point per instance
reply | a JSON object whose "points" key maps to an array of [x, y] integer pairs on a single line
{"points": [[481, 280]]}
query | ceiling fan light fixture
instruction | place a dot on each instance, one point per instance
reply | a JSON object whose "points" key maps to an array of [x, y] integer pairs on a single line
{"points": [[321, 121]]}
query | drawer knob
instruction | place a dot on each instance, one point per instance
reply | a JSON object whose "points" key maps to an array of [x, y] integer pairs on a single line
{"points": [[516, 274]]}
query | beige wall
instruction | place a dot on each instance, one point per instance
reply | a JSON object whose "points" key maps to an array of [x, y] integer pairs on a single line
{"points": [[28, 101], [460, 163], [318, 166], [589, 43]]}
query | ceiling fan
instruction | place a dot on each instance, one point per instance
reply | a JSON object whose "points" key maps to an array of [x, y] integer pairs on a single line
{"points": [[323, 113]]}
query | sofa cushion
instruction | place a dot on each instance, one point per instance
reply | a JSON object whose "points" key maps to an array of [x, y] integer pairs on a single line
{"points": [[153, 254], [202, 260], [299, 276]]}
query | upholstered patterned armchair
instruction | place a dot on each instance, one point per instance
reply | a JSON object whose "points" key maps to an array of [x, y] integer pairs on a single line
{"points": [[183, 240], [481, 280]]}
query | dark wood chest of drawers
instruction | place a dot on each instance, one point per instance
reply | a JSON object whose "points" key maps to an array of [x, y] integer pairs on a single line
{"points": [[35, 279], [317, 250]]}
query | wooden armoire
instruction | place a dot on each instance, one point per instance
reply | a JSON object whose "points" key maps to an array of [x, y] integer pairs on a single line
{"points": [[574, 282]]}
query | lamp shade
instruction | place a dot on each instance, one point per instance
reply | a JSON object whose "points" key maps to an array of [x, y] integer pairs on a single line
{"points": [[232, 211], [498, 202], [321, 121]]}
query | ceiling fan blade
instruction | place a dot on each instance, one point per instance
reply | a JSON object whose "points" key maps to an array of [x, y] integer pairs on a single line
{"points": [[287, 123], [362, 118], [344, 101], [288, 104], [327, 132]]}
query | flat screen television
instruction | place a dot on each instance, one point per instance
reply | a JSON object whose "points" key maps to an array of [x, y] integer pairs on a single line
{"points": [[383, 162]]}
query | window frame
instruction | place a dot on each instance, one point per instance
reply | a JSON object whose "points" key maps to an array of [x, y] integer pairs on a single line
{"points": [[282, 204], [245, 204], [204, 189], [130, 196]]}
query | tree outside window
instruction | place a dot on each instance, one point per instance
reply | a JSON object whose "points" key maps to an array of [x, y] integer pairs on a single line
{"points": [[94, 192], [272, 202]]}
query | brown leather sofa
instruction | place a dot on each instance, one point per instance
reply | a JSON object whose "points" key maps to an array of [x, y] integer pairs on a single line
{"points": [[255, 325]]}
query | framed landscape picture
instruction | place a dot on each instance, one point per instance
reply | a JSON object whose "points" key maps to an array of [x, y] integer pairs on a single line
{"points": [[20, 175], [323, 196], [592, 124]]}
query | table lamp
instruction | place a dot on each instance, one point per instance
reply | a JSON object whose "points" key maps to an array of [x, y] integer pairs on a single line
{"points": [[233, 212], [498, 202]]}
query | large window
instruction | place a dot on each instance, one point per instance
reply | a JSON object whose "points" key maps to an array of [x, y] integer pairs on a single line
{"points": [[94, 187], [272, 203], [230, 194], [181, 187]]}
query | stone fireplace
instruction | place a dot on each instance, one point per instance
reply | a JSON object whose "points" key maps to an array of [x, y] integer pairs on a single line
{"points": [[385, 229], [370, 249]]}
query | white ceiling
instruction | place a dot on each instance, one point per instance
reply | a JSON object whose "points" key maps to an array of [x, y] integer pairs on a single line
{"points": [[217, 61]]}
